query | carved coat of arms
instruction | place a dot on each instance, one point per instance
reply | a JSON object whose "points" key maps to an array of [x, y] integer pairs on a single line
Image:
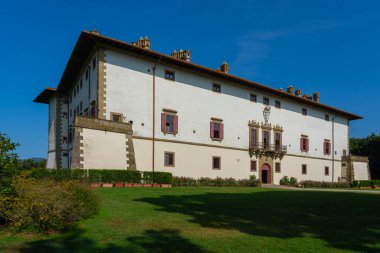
{"points": [[266, 113]]}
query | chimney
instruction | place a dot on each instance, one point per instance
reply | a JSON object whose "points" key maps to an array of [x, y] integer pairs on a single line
{"points": [[224, 67], [316, 96], [290, 89], [143, 43], [280, 89], [298, 92], [182, 55], [95, 32]]}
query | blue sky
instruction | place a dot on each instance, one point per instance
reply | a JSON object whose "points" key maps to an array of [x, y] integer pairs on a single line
{"points": [[326, 46]]}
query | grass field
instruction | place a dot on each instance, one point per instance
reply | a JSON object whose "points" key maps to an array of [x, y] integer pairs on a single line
{"points": [[217, 220]]}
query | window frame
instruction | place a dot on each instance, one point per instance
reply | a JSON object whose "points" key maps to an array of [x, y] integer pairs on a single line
{"points": [[327, 117], [168, 73], [269, 138], [306, 144], [304, 111], [220, 163], [304, 166], [250, 137], [173, 123], [266, 99], [253, 168], [326, 148], [277, 167], [277, 104], [216, 87], [279, 148], [173, 158], [115, 114], [253, 95], [327, 169]]}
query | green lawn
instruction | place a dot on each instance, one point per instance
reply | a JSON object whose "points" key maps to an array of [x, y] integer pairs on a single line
{"points": [[218, 220]]}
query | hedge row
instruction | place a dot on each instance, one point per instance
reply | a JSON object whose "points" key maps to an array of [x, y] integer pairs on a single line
{"points": [[205, 181], [365, 183], [288, 181], [318, 184], [104, 176]]}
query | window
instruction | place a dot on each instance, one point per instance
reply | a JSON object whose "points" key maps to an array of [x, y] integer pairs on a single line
{"points": [[81, 83], [80, 106], [304, 169], [117, 117], [254, 137], [169, 159], [277, 104], [64, 154], [266, 101], [326, 147], [170, 75], [253, 97], [266, 139], [327, 170], [327, 117], [87, 74], [216, 162], [253, 166], [344, 152], [94, 63], [304, 111], [277, 141], [216, 87], [169, 123], [278, 167], [216, 130], [304, 143]]}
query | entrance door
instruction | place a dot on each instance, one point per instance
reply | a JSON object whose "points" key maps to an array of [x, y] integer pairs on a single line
{"points": [[265, 174]]}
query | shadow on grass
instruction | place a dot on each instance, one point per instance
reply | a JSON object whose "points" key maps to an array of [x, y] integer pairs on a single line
{"points": [[347, 221], [151, 241]]}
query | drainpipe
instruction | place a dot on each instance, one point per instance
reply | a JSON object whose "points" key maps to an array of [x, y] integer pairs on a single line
{"points": [[333, 148], [154, 113]]}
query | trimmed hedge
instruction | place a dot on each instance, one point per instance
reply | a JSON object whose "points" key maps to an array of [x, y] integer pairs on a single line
{"points": [[288, 181], [318, 184], [218, 182], [104, 176], [365, 183]]}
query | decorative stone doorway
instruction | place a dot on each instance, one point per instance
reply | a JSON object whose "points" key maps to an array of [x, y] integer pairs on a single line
{"points": [[265, 174]]}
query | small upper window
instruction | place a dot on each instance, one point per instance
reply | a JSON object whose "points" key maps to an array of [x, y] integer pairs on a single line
{"points": [[266, 101], [170, 75], [216, 87], [169, 159], [216, 163], [278, 104], [117, 117], [327, 117], [304, 111], [253, 97]]}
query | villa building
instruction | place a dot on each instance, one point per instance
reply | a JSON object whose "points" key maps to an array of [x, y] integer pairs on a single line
{"points": [[122, 105]]}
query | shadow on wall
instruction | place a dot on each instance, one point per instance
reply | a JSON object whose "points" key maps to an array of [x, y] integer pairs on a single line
{"points": [[151, 241], [352, 223]]}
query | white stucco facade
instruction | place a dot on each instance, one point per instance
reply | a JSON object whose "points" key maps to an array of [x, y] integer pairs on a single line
{"points": [[127, 84]]}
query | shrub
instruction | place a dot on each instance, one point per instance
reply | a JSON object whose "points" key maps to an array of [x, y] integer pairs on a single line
{"points": [[284, 181], [206, 181], [94, 176], [184, 181], [365, 183], [156, 177], [44, 204], [318, 184], [293, 181]]}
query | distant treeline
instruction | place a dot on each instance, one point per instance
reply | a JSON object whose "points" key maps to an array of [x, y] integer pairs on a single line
{"points": [[369, 146]]}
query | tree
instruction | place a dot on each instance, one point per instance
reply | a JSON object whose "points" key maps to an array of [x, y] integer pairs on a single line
{"points": [[8, 161], [369, 146]]}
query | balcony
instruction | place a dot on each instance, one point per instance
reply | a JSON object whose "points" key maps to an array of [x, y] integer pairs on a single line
{"points": [[272, 150]]}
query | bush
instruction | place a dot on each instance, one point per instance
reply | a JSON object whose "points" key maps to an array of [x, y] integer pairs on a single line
{"points": [[150, 177], [284, 181], [365, 183], [293, 181], [318, 184], [206, 181], [45, 205]]}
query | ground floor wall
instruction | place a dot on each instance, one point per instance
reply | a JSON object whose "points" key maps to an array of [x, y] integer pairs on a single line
{"points": [[196, 161]]}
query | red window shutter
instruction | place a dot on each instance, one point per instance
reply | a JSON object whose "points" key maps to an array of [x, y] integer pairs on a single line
{"points": [[307, 144], [301, 144], [328, 148], [175, 124], [163, 122], [221, 131], [211, 129]]}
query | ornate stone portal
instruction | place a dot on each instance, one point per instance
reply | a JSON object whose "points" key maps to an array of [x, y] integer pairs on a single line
{"points": [[266, 160]]}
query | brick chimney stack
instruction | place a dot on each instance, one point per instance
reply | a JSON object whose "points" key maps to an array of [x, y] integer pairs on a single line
{"points": [[316, 96], [224, 67], [144, 43], [290, 89], [298, 92], [182, 55]]}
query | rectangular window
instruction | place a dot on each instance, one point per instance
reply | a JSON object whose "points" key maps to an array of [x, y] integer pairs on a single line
{"points": [[253, 97], [327, 170], [170, 75], [277, 104], [304, 169], [344, 152], [169, 159], [216, 88], [253, 166], [117, 117], [327, 117], [87, 74], [278, 167], [277, 136], [304, 111], [304, 143], [254, 138], [169, 123], [266, 139], [216, 130], [266, 101], [326, 147], [216, 163]]}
